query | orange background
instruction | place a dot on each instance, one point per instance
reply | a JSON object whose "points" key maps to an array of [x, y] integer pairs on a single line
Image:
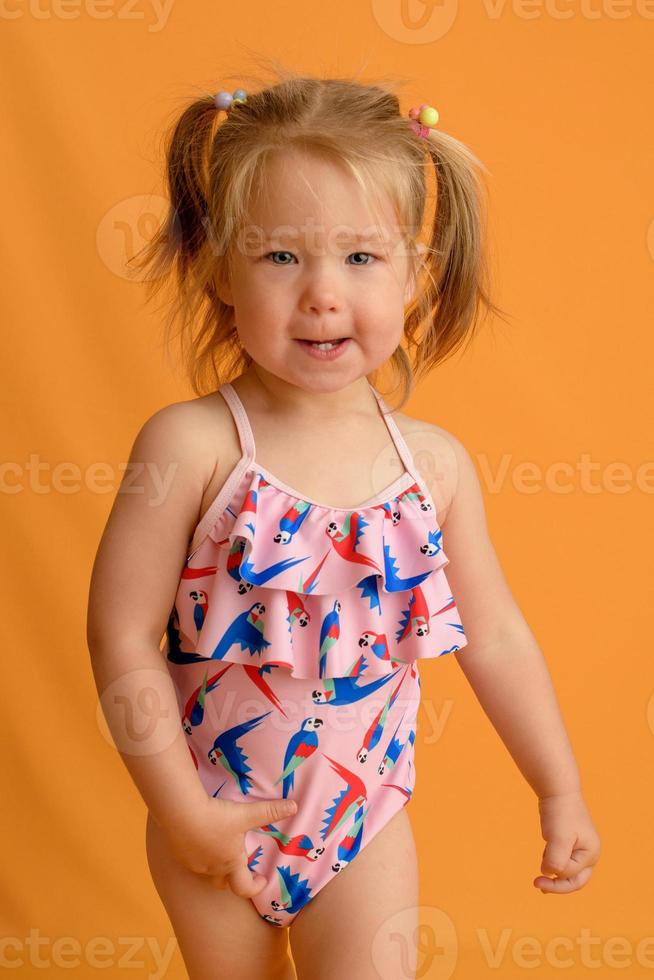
{"points": [[559, 109]]}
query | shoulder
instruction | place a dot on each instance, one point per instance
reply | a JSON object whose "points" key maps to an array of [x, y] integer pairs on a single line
{"points": [[191, 432], [152, 519], [441, 458]]}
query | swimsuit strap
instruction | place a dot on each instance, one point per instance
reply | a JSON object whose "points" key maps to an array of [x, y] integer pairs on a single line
{"points": [[236, 407], [246, 435], [398, 439]]}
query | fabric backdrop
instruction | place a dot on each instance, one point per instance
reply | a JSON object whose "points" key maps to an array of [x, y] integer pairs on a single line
{"points": [[555, 99]]}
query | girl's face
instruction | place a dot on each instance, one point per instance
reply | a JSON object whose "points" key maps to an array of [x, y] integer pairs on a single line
{"points": [[300, 271]]}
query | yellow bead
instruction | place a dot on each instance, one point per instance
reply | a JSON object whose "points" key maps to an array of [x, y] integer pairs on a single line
{"points": [[428, 116]]}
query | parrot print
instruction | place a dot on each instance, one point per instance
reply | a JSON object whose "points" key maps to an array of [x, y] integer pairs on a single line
{"points": [[319, 618], [301, 747]]}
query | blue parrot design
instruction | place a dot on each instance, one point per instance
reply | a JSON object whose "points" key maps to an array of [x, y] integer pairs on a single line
{"points": [[393, 582], [246, 629], [226, 750], [434, 543], [200, 607], [246, 570], [350, 846], [291, 522], [394, 749], [175, 653], [193, 713], [346, 690], [370, 590], [294, 892], [300, 747], [330, 631]]}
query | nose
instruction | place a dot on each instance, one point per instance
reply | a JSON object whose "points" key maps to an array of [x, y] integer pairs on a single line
{"points": [[321, 293]]}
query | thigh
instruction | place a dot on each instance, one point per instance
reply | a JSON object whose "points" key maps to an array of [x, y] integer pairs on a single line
{"points": [[365, 915], [219, 933]]}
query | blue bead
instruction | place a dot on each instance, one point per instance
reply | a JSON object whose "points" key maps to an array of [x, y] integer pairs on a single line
{"points": [[240, 94], [223, 100]]}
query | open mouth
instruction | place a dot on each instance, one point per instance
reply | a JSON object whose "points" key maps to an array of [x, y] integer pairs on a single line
{"points": [[324, 344]]}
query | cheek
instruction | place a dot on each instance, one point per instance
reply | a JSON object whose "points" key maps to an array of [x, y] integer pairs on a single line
{"points": [[259, 311], [383, 335], [262, 341]]}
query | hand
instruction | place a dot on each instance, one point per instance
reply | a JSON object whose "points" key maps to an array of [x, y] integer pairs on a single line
{"points": [[212, 840], [573, 844]]}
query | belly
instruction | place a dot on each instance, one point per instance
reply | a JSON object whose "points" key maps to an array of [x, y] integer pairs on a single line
{"points": [[255, 733]]}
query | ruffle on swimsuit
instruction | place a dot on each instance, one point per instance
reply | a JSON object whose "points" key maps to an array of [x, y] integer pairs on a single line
{"points": [[275, 578]]}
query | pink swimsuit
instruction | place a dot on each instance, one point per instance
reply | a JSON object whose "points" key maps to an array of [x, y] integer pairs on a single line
{"points": [[293, 645]]}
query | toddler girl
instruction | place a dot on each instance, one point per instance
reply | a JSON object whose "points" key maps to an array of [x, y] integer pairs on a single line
{"points": [[276, 533]]}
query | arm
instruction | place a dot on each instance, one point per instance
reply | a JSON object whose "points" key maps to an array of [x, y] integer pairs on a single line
{"points": [[506, 669], [132, 589]]}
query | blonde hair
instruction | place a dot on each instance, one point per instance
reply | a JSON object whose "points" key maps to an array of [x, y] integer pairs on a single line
{"points": [[215, 164]]}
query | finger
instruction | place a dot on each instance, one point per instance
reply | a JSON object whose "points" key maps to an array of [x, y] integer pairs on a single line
{"points": [[580, 858], [583, 856], [243, 882], [563, 885], [556, 856], [263, 812]]}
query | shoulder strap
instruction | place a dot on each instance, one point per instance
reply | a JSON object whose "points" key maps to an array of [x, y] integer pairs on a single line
{"points": [[398, 439], [241, 419], [246, 436]]}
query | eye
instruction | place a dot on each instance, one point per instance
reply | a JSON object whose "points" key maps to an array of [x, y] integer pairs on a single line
{"points": [[369, 254], [279, 253]]}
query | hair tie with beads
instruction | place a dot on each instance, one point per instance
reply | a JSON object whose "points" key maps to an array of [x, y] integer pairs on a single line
{"points": [[423, 118], [225, 100]]}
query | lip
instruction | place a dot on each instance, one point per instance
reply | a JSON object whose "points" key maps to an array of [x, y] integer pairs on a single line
{"points": [[324, 355]]}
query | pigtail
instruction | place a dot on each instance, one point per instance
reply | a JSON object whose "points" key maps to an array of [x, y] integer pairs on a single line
{"points": [[184, 256], [182, 234], [454, 263]]}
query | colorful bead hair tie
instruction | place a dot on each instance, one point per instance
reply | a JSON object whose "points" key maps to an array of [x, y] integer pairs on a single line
{"points": [[423, 118], [225, 100]]}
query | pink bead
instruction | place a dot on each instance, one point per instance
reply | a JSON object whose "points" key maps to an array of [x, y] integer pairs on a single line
{"points": [[223, 100]]}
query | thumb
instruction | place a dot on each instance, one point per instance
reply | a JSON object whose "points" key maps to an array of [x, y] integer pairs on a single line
{"points": [[243, 882], [266, 811]]}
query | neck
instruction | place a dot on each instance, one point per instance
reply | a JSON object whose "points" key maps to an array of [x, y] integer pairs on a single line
{"points": [[267, 392]]}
